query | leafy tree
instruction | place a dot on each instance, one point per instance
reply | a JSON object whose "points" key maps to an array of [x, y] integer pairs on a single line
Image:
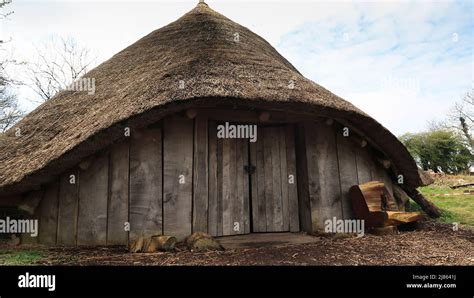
{"points": [[440, 150]]}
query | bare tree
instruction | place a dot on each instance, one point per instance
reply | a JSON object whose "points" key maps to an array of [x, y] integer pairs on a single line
{"points": [[462, 116], [5, 14], [10, 113], [59, 63]]}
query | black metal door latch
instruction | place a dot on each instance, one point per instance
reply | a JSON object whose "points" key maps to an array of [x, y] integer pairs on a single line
{"points": [[250, 169]]}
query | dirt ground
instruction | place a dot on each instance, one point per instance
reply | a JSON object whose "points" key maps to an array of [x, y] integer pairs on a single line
{"points": [[431, 244]]}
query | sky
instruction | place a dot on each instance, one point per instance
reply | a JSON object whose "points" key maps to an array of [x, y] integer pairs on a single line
{"points": [[403, 62]]}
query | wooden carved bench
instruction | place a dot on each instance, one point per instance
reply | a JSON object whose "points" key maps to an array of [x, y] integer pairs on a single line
{"points": [[373, 203]]}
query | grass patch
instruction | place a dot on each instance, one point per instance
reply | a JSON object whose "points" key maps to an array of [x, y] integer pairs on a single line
{"points": [[19, 257], [458, 208]]}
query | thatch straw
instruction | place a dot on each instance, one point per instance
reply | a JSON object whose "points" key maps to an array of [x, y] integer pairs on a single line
{"points": [[200, 49]]}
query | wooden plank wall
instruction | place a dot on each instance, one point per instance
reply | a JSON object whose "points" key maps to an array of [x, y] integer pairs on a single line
{"points": [[35, 196], [304, 203], [117, 213], [178, 176], [274, 198], [48, 215], [334, 164], [214, 220], [364, 165], [229, 188], [138, 182], [200, 175], [323, 169], [259, 211], [68, 208], [233, 194], [93, 192], [290, 189], [146, 203], [347, 171], [95, 209]]}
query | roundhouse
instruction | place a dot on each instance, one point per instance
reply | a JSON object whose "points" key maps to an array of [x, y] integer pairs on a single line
{"points": [[143, 155]]}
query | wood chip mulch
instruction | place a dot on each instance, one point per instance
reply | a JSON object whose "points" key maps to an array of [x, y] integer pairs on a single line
{"points": [[431, 244]]}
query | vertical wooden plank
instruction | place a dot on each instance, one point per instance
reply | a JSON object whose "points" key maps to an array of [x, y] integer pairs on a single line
{"points": [[227, 189], [323, 174], [232, 184], [329, 169], [375, 169], [93, 192], [268, 173], [232, 197], [177, 169], [385, 178], [364, 172], [239, 200], [246, 188], [117, 213], [255, 185], [274, 157], [145, 201], [347, 172], [48, 215], [260, 222], [277, 204], [293, 212], [34, 198], [200, 173], [284, 185], [213, 183], [314, 188], [220, 187], [68, 208], [302, 167]]}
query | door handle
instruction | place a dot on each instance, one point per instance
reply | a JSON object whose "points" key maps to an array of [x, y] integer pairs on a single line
{"points": [[250, 169]]}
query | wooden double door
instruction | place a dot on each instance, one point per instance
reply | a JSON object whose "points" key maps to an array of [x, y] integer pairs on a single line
{"points": [[252, 185]]}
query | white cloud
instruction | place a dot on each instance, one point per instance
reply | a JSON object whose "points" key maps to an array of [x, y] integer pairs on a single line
{"points": [[348, 47], [400, 64]]}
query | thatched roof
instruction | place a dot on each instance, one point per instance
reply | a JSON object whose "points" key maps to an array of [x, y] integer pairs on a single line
{"points": [[200, 49]]}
